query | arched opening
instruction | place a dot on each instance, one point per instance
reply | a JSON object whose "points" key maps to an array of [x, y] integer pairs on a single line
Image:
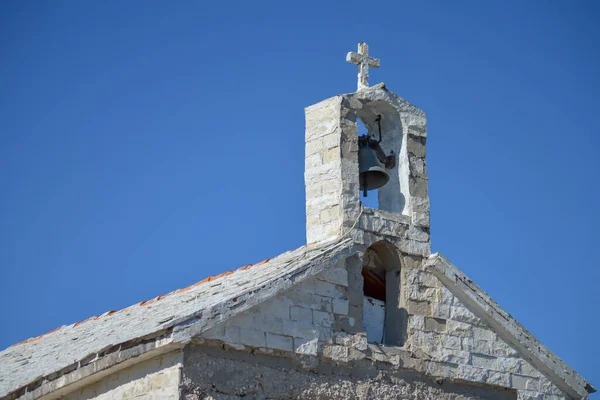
{"points": [[392, 196], [384, 318]]}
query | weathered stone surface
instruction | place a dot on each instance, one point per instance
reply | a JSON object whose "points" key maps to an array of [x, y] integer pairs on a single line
{"points": [[300, 325], [498, 342], [157, 378], [213, 372], [334, 212]]}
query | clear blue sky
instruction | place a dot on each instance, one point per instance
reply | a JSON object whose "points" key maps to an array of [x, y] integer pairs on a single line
{"points": [[146, 145]]}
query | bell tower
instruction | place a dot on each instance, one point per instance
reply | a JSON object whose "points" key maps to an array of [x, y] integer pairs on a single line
{"points": [[340, 165]]}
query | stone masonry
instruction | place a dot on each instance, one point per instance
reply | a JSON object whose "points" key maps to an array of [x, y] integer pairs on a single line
{"points": [[331, 173], [292, 326], [157, 378], [318, 323]]}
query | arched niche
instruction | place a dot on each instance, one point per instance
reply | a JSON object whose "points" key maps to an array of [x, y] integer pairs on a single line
{"points": [[391, 197], [384, 317]]}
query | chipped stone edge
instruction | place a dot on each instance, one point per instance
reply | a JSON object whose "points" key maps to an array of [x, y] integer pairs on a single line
{"points": [[509, 329]]}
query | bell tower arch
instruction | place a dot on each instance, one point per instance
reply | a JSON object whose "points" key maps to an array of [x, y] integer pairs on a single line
{"points": [[332, 179]]}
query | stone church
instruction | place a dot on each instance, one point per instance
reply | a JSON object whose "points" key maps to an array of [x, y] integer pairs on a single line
{"points": [[362, 311]]}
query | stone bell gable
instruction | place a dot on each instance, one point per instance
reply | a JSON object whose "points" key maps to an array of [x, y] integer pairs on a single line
{"points": [[331, 167], [362, 311]]}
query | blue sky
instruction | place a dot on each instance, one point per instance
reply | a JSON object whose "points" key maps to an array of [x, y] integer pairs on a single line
{"points": [[146, 145]]}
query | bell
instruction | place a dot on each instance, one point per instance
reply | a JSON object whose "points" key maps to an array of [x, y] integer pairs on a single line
{"points": [[372, 175]]}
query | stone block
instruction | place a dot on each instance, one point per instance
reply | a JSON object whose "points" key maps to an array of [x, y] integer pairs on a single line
{"points": [[416, 146], [442, 369], [439, 310], [268, 323], [322, 319], [528, 369], [545, 396], [474, 374], [482, 361], [279, 342], [481, 347], [330, 141], [500, 349], [301, 314], [427, 279], [422, 294], [356, 341], [435, 324], [232, 334], [336, 353], [299, 329], [483, 334], [326, 289], [499, 379], [331, 155], [312, 161], [330, 186], [548, 387], [412, 262], [459, 328], [446, 296], [322, 303], [525, 382], [421, 218], [451, 342], [329, 214], [508, 364], [419, 234], [454, 356], [417, 166], [419, 248], [419, 307], [462, 314], [336, 275], [531, 395], [276, 308], [416, 322], [314, 146], [325, 334], [306, 346], [340, 306], [418, 186], [252, 337], [217, 332], [416, 126]]}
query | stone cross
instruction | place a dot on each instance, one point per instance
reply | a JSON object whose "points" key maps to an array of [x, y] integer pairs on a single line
{"points": [[363, 61]]}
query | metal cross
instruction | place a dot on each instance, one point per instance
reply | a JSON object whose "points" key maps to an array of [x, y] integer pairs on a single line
{"points": [[363, 61]]}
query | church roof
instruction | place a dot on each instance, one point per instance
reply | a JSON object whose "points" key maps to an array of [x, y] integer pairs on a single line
{"points": [[65, 348]]}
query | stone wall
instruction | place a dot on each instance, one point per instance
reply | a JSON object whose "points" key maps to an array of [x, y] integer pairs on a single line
{"points": [[319, 322], [323, 173], [301, 320], [215, 374], [157, 378], [458, 345]]}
